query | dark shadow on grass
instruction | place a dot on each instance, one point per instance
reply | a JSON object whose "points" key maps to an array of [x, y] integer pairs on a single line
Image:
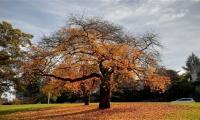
{"points": [[15, 110], [9, 111], [72, 114]]}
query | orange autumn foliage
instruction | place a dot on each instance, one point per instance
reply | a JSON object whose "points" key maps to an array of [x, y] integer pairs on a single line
{"points": [[107, 54]]}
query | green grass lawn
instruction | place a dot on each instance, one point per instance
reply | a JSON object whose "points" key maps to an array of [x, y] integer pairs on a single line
{"points": [[191, 112], [7, 109], [180, 111]]}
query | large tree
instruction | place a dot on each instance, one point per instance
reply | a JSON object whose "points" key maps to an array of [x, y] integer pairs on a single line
{"points": [[113, 55], [12, 41]]}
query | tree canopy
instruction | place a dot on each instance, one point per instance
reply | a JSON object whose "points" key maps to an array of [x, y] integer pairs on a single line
{"points": [[108, 53], [12, 40], [192, 63]]}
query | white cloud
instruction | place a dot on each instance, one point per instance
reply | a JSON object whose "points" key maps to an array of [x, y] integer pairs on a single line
{"points": [[119, 13], [196, 0], [176, 21], [162, 0], [171, 17]]}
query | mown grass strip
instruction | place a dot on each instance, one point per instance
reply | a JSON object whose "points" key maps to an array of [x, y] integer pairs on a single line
{"points": [[7, 109]]}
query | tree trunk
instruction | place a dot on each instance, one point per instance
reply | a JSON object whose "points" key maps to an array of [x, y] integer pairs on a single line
{"points": [[87, 98], [49, 96], [104, 101], [104, 95]]}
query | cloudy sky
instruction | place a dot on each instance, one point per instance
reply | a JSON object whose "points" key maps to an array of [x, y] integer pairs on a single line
{"points": [[176, 21]]}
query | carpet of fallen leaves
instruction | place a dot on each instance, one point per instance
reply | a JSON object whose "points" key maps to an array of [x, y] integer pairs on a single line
{"points": [[120, 111]]}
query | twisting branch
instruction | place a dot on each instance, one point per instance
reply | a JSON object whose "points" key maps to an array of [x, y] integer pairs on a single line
{"points": [[86, 77]]}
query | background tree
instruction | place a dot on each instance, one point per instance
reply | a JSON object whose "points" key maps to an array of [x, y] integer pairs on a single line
{"points": [[31, 92], [192, 63], [52, 89], [193, 67], [83, 88], [12, 40], [193, 73], [99, 43], [180, 88]]}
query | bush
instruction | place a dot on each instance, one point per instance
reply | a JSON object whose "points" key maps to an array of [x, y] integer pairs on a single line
{"points": [[17, 101], [4, 101], [1, 102], [197, 93]]}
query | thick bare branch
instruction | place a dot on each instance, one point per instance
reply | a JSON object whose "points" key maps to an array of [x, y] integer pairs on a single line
{"points": [[86, 77]]}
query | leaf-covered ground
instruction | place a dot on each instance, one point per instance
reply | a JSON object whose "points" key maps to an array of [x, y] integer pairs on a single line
{"points": [[118, 111]]}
